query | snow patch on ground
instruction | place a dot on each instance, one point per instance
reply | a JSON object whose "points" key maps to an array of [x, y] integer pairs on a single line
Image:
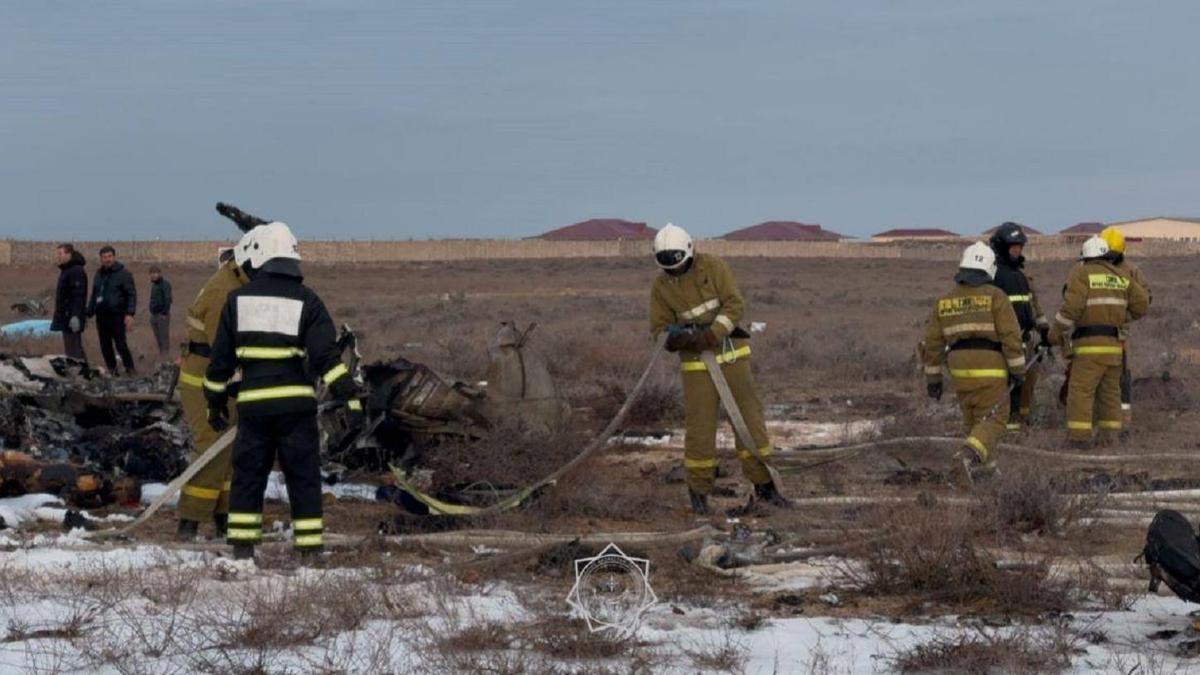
{"points": [[785, 435], [131, 621], [276, 491]]}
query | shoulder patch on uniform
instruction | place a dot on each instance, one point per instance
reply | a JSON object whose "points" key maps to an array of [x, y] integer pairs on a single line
{"points": [[964, 305], [1110, 282]]}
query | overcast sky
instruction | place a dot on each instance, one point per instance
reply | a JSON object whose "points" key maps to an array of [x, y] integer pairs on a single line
{"points": [[357, 119]]}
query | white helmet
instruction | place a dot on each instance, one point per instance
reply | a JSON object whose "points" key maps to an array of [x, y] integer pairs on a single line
{"points": [[979, 256], [672, 247], [1094, 247], [273, 240]]}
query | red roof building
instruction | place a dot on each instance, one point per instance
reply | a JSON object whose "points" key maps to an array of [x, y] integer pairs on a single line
{"points": [[600, 229], [914, 233], [783, 230], [1083, 229], [1028, 230]]}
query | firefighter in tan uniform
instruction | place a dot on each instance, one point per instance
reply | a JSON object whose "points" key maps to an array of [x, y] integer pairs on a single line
{"points": [[974, 330], [1099, 300], [206, 495], [1116, 250], [696, 299]]}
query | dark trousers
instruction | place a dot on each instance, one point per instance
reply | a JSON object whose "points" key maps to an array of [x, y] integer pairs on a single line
{"points": [[73, 345], [292, 438], [110, 328], [161, 323]]}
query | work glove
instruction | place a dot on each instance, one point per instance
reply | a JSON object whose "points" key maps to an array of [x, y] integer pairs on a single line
{"points": [[75, 325], [356, 421], [934, 389], [707, 340], [218, 418], [680, 341]]}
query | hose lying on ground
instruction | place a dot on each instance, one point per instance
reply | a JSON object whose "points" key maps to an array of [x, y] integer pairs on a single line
{"points": [[824, 455]]}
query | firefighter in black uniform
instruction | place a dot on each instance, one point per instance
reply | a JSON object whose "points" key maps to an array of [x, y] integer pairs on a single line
{"points": [[1008, 241], [279, 333]]}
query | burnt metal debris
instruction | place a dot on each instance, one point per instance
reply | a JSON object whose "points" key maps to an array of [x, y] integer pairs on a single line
{"points": [[92, 440]]}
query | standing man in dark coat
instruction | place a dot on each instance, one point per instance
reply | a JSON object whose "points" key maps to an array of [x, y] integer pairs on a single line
{"points": [[160, 310], [70, 300], [114, 300]]}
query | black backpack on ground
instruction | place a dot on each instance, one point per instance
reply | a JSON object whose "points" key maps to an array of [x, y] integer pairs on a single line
{"points": [[1173, 554]]}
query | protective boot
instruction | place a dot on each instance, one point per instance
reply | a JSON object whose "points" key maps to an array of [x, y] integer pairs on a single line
{"points": [[968, 468], [764, 493], [699, 503], [243, 551], [187, 530], [221, 522], [769, 494]]}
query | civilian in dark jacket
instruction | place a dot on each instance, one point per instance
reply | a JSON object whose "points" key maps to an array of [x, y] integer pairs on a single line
{"points": [[70, 300], [160, 310], [114, 299]]}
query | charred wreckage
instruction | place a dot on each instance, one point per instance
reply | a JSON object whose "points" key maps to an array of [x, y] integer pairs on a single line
{"points": [[94, 440]]}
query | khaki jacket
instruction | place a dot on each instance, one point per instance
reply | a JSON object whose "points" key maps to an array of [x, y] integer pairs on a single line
{"points": [[973, 312], [203, 317], [1098, 294], [707, 295]]}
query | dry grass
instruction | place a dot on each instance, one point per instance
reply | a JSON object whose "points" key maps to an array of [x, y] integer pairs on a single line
{"points": [[937, 559], [1022, 653]]}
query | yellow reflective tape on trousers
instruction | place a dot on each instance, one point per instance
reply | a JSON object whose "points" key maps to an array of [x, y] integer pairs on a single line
{"points": [[269, 393], [307, 540], [334, 373], [1110, 424], [201, 492], [723, 358], [746, 454], [245, 519], [354, 404], [214, 386], [1080, 426], [699, 463], [270, 353], [1020, 298], [978, 446], [979, 372], [235, 533], [307, 524], [191, 380], [1098, 349]]}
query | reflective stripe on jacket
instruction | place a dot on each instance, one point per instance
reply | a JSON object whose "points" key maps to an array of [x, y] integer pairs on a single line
{"points": [[975, 312]]}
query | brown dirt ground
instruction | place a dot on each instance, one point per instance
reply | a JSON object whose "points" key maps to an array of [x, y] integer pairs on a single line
{"points": [[840, 344]]}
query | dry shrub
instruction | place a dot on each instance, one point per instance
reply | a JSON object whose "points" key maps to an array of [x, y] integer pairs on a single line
{"points": [[1022, 652], [480, 637], [570, 639], [723, 652], [934, 556], [281, 614], [581, 494], [508, 457], [1029, 498]]}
